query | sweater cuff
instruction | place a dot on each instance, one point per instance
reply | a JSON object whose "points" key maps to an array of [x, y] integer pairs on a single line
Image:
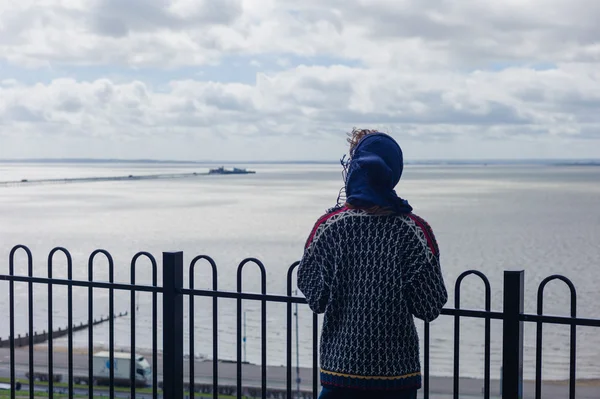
{"points": [[383, 383]]}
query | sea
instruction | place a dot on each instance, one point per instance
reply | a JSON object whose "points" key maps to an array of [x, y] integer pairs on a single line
{"points": [[542, 218]]}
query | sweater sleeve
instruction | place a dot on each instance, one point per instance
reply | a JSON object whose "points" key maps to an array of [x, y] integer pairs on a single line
{"points": [[424, 288], [315, 271]]}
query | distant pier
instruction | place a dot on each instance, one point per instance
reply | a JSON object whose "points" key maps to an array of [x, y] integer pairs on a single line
{"points": [[218, 171], [27, 182]]}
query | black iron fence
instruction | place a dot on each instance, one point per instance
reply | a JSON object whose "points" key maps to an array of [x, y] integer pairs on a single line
{"points": [[173, 292]]}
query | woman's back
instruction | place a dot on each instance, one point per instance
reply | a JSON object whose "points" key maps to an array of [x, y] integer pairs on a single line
{"points": [[369, 266]]}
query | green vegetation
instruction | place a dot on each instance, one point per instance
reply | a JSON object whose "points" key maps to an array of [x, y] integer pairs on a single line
{"points": [[44, 395], [80, 386], [24, 394]]}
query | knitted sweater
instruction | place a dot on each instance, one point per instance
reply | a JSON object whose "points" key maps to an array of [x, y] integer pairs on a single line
{"points": [[370, 274]]}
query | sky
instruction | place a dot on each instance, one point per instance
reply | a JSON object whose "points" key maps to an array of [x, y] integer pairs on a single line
{"points": [[286, 80]]}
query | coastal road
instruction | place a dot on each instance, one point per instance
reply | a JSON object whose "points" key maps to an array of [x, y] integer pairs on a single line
{"points": [[440, 387], [251, 374]]}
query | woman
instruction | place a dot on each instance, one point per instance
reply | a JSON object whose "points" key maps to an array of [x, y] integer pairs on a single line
{"points": [[370, 265]]}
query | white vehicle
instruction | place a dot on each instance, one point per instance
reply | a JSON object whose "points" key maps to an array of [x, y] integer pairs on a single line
{"points": [[6, 387], [122, 369]]}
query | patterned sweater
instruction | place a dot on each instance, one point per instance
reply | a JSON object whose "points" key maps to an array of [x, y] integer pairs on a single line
{"points": [[370, 274]]}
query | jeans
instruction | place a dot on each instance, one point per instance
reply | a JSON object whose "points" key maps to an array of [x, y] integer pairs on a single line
{"points": [[341, 393]]}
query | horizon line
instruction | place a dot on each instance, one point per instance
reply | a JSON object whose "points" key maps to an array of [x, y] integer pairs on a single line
{"points": [[297, 161]]}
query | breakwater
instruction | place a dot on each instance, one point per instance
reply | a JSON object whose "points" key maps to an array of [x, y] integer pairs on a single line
{"points": [[40, 337]]}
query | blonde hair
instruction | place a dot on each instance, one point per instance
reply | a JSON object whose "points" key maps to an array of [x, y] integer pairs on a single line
{"points": [[355, 136]]}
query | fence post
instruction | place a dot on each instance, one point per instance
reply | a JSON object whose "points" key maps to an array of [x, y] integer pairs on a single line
{"points": [[512, 335], [172, 325]]}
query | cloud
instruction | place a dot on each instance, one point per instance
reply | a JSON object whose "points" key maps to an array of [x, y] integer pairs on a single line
{"points": [[119, 18], [106, 32], [444, 32], [433, 71], [524, 101], [433, 33]]}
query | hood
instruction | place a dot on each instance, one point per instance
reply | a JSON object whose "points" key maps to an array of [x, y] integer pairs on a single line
{"points": [[375, 169]]}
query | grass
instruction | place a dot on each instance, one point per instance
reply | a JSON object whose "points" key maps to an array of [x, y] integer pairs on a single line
{"points": [[24, 394], [66, 385], [44, 395]]}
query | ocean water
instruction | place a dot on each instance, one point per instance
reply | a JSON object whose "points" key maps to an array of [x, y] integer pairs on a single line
{"points": [[541, 219]]}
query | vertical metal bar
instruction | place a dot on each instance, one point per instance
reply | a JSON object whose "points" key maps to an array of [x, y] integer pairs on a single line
{"points": [[539, 339], [191, 334], [50, 338], [264, 339], [70, 321], [11, 321], [456, 381], [154, 332], [426, 361], [30, 295], [215, 341], [239, 340], [173, 325], [315, 355], [132, 367], [573, 354], [90, 331], [488, 340], [289, 333], [297, 350], [111, 333], [289, 350], [512, 335]]}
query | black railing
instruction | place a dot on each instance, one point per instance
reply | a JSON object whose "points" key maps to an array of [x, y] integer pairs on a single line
{"points": [[173, 293]]}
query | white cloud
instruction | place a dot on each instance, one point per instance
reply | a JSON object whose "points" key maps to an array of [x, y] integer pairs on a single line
{"points": [[520, 101], [434, 71], [378, 32]]}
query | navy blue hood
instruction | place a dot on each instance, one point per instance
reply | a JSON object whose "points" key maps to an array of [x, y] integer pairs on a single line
{"points": [[375, 169]]}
